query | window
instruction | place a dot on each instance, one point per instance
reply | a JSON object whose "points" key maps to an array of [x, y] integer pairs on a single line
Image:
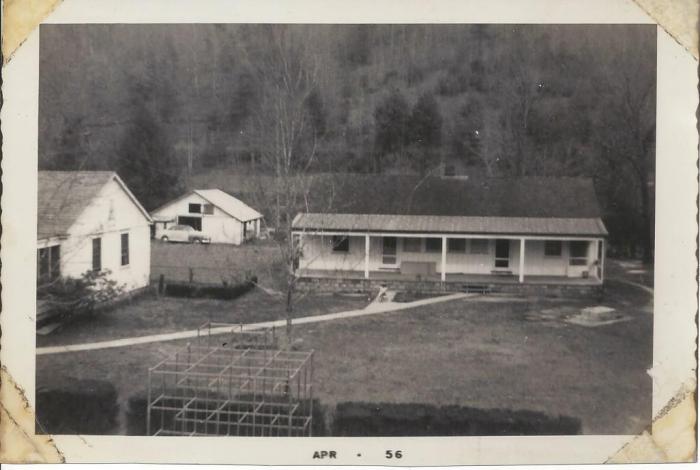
{"points": [[479, 246], [412, 245], [125, 249], [48, 266], [552, 248], [207, 209], [96, 254], [341, 244], [433, 245], [456, 245], [578, 253], [195, 208]]}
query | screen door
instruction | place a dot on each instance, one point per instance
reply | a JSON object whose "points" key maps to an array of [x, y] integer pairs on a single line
{"points": [[502, 253], [389, 251]]}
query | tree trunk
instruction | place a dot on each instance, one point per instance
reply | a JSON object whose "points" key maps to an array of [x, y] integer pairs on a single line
{"points": [[289, 309]]}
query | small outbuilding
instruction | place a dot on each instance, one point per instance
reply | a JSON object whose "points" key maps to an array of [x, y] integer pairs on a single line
{"points": [[218, 215], [90, 221]]}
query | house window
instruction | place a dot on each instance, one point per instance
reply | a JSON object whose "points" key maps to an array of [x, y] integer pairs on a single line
{"points": [[479, 246], [125, 249], [96, 254], [195, 208], [433, 245], [412, 245], [341, 244], [456, 245], [552, 248], [207, 209], [48, 264], [578, 253]]}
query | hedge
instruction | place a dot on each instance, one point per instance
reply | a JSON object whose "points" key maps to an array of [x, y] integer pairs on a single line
{"points": [[223, 292], [416, 419], [76, 407]]}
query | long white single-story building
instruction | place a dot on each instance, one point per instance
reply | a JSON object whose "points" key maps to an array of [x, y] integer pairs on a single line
{"points": [[498, 230], [220, 216], [89, 220]]}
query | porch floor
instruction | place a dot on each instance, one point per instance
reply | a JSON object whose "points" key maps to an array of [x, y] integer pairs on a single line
{"points": [[450, 277]]}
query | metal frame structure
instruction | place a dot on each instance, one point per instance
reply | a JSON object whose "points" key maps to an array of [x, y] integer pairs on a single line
{"points": [[238, 384]]}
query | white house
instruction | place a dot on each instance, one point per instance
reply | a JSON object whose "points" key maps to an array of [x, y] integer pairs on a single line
{"points": [[217, 214], [89, 220], [494, 230]]}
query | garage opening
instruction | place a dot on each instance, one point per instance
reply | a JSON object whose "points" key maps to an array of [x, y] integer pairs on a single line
{"points": [[194, 222]]}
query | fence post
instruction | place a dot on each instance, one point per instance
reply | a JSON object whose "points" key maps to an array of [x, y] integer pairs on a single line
{"points": [[161, 284]]}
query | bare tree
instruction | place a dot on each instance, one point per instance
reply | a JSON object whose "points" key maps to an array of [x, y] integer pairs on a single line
{"points": [[627, 132], [283, 133]]}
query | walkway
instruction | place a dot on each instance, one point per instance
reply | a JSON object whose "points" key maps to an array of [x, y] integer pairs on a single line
{"points": [[373, 309], [648, 289]]}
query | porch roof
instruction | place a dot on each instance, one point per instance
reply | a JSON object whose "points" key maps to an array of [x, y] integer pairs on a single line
{"points": [[450, 224]]}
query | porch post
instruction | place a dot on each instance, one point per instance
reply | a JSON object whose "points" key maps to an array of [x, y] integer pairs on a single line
{"points": [[521, 271], [299, 250], [366, 256], [602, 259], [443, 266]]}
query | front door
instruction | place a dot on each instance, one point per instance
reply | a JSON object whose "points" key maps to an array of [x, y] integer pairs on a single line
{"points": [[389, 251], [502, 253]]}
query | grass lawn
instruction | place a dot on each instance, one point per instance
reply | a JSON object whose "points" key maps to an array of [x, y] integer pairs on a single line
{"points": [[466, 352], [216, 263], [152, 315], [487, 355]]}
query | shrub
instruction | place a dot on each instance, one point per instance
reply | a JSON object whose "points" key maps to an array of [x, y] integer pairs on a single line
{"points": [[75, 406], [224, 292], [416, 419], [67, 297]]}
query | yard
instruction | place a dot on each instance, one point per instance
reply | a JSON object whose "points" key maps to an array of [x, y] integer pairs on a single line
{"points": [[483, 352], [153, 315], [211, 264], [216, 263]]}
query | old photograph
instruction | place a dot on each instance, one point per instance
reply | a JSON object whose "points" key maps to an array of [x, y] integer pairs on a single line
{"points": [[345, 230]]}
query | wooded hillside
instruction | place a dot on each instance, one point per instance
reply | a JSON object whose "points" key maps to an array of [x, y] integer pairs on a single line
{"points": [[166, 105]]}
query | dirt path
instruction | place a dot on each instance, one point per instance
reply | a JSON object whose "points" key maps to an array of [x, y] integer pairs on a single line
{"points": [[373, 309]]}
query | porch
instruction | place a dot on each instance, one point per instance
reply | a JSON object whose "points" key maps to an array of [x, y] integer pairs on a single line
{"points": [[454, 278], [452, 258]]}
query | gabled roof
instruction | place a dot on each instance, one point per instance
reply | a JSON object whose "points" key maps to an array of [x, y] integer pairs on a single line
{"points": [[64, 195], [224, 201], [229, 204]]}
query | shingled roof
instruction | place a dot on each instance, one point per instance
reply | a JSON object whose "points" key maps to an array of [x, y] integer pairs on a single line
{"points": [[533, 205], [64, 195], [491, 197]]}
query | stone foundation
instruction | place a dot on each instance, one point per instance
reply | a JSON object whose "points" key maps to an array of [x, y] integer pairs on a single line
{"points": [[563, 290]]}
